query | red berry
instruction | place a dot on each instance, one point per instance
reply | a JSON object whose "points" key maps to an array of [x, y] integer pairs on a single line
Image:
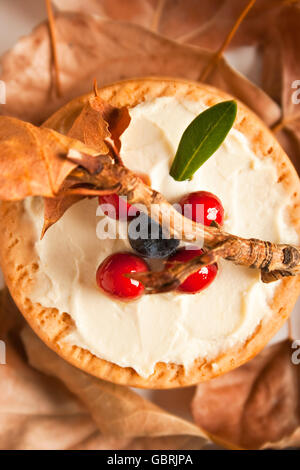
{"points": [[200, 279], [210, 204], [119, 207], [110, 275]]}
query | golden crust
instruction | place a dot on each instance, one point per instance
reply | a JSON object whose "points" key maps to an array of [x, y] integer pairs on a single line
{"points": [[20, 263]]}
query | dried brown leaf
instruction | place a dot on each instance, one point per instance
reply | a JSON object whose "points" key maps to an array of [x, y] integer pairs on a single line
{"points": [[10, 318], [90, 127], [283, 45], [117, 410], [32, 159], [109, 51], [289, 138], [208, 22], [97, 122], [256, 405], [36, 411], [281, 70], [203, 23], [55, 207], [137, 11], [34, 404]]}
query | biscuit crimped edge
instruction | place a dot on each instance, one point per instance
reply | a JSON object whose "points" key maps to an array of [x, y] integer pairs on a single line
{"points": [[19, 260]]}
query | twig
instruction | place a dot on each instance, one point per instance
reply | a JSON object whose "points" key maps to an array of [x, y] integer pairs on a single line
{"points": [[90, 191], [177, 272], [206, 71], [52, 31], [234, 249]]}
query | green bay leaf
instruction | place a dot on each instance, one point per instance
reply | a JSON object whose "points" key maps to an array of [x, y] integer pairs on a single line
{"points": [[202, 138]]}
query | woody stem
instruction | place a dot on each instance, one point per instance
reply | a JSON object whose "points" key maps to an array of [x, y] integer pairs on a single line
{"points": [[280, 260]]}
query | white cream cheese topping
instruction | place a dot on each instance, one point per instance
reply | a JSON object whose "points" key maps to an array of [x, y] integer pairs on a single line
{"points": [[167, 327]]}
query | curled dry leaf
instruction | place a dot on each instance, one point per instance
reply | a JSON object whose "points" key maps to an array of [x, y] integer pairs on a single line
{"points": [[257, 405], [97, 122], [32, 159], [109, 51], [55, 207], [117, 410], [90, 126]]}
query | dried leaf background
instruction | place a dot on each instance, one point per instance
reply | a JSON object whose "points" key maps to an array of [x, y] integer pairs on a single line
{"points": [[204, 23], [281, 70], [48, 404], [112, 40], [110, 51], [256, 405]]}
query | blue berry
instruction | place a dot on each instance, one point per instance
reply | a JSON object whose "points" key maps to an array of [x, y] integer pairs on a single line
{"points": [[147, 238]]}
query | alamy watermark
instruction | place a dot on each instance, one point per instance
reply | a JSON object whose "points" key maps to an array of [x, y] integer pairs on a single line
{"points": [[296, 354], [296, 93], [117, 221]]}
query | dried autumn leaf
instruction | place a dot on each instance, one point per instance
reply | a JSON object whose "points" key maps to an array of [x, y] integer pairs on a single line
{"points": [[204, 23], [166, 443], [281, 75], [119, 120], [137, 11], [33, 404], [90, 127], [208, 22], [117, 410], [31, 159], [55, 207], [99, 441], [10, 317], [97, 122], [109, 51], [255, 406]]}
